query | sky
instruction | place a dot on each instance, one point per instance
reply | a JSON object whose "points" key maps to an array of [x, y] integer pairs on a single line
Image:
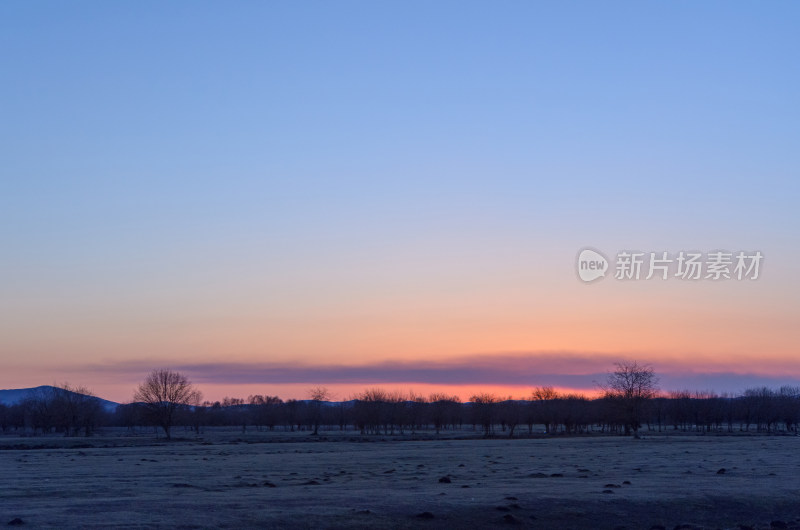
{"points": [[275, 196]]}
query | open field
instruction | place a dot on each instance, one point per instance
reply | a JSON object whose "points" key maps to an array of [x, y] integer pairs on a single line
{"points": [[559, 482]]}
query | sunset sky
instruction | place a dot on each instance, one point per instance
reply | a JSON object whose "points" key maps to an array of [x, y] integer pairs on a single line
{"points": [[278, 195]]}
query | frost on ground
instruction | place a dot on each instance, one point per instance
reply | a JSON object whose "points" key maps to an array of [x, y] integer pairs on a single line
{"points": [[595, 482]]}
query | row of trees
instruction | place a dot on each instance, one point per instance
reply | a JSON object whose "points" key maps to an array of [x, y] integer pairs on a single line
{"points": [[627, 389], [629, 402], [64, 409]]}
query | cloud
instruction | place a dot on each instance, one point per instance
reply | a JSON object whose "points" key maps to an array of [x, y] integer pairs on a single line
{"points": [[559, 369]]}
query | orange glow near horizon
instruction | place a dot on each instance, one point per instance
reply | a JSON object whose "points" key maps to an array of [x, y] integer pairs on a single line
{"points": [[558, 326], [344, 392], [502, 374]]}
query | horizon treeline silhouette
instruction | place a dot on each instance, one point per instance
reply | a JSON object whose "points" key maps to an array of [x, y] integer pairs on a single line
{"points": [[630, 401]]}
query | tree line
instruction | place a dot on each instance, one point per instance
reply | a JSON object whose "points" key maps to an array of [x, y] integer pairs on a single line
{"points": [[63, 409], [629, 402]]}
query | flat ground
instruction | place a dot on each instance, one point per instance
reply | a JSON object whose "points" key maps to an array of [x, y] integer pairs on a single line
{"points": [[559, 482]]}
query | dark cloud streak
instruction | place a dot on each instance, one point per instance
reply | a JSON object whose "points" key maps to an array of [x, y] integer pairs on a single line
{"points": [[561, 369]]}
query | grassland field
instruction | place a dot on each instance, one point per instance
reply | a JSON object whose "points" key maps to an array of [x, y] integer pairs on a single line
{"points": [[229, 479]]}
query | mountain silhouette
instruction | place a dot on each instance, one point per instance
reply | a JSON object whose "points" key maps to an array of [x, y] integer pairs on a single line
{"points": [[17, 395]]}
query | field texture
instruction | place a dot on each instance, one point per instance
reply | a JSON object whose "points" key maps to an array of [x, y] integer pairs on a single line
{"points": [[280, 482]]}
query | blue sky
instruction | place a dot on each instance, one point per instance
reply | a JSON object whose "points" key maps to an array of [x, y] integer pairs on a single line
{"points": [[197, 163]]}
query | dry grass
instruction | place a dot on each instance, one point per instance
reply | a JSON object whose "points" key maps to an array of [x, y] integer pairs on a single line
{"points": [[539, 483]]}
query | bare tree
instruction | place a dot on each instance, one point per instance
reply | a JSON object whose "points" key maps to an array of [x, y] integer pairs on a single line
{"points": [[441, 408], [75, 408], [369, 410], [543, 393], [317, 395], [541, 408], [164, 393], [630, 386], [483, 411], [511, 414]]}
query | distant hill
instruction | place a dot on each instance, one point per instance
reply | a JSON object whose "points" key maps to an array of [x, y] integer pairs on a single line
{"points": [[16, 395]]}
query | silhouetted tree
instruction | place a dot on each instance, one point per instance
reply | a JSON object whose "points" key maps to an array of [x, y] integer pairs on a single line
{"points": [[572, 412], [789, 404], [629, 386], [5, 417], [416, 411], [370, 410], [483, 411], [317, 396], [511, 415], [542, 408], [164, 393], [442, 410], [74, 409], [291, 413]]}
